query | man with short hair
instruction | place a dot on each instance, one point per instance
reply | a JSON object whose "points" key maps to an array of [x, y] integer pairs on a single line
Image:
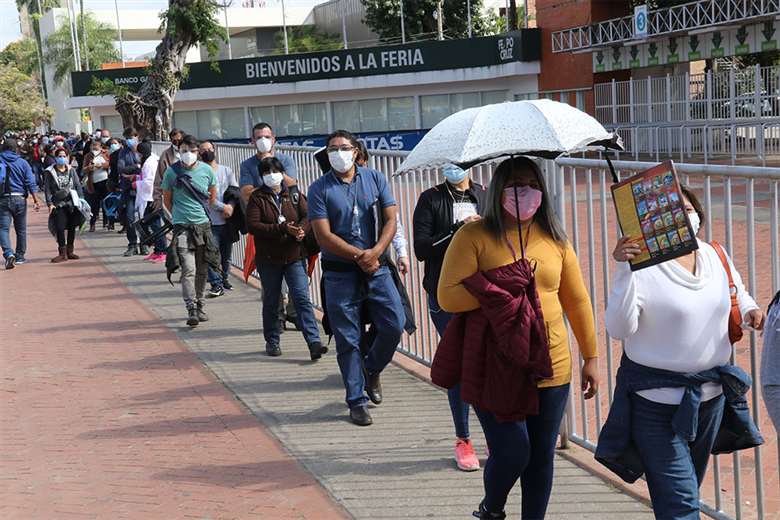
{"points": [[264, 141], [16, 182], [170, 156], [353, 214], [189, 190]]}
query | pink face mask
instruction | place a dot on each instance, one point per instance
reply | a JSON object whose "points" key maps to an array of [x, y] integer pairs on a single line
{"points": [[528, 201]]}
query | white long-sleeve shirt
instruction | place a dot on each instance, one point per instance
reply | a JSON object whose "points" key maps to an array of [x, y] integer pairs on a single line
{"points": [[145, 186], [673, 320]]}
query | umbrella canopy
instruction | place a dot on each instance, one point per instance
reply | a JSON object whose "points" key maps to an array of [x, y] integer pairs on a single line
{"points": [[540, 128]]}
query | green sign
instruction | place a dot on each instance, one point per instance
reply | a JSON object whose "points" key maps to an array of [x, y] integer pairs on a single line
{"points": [[742, 49], [523, 45], [672, 58], [693, 56], [718, 53], [634, 64], [769, 46]]}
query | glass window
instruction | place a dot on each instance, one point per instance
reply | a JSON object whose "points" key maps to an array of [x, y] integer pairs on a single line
{"points": [[286, 121], [262, 115], [400, 113], [460, 102], [494, 96], [313, 118], [232, 123], [112, 123], [209, 124], [346, 116], [564, 97], [581, 99], [373, 115], [434, 109], [186, 120]]}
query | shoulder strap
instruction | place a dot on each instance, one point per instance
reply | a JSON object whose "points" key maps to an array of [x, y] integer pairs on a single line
{"points": [[723, 260], [7, 181]]}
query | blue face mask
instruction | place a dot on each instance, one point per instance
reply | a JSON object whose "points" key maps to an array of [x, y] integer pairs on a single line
{"points": [[132, 142], [114, 147], [453, 174], [62, 161]]}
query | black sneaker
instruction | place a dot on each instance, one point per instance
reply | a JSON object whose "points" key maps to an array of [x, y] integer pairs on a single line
{"points": [[143, 251], [130, 251], [273, 350], [316, 350], [484, 514], [373, 387], [192, 317], [227, 285], [360, 416], [20, 260], [10, 261], [216, 292], [202, 316]]}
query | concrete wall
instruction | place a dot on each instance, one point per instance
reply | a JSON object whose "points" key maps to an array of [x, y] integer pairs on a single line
{"points": [[64, 119]]}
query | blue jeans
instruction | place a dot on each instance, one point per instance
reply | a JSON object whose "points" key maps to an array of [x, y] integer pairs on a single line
{"points": [[294, 274], [13, 208], [524, 450], [225, 246], [347, 294], [460, 410], [674, 467], [130, 217]]}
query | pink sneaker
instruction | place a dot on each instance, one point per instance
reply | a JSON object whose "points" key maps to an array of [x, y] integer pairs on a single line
{"points": [[465, 457], [159, 259], [151, 257]]}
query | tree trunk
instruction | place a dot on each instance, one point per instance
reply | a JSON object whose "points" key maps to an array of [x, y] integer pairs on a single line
{"points": [[513, 15], [150, 110]]}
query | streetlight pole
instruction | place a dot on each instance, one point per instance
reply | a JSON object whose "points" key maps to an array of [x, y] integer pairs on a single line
{"points": [[403, 29], [227, 30], [44, 90], [468, 10], [119, 31], [284, 28], [440, 20], [84, 36], [74, 37], [344, 29]]}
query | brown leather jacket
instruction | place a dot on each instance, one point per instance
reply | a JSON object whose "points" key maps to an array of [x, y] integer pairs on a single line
{"points": [[272, 241]]}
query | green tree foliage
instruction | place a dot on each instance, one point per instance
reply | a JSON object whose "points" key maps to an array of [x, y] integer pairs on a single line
{"points": [[383, 17], [497, 24], [58, 47], [22, 54], [21, 104], [307, 38]]}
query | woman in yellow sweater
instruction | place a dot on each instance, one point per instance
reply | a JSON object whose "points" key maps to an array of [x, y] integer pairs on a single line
{"points": [[525, 449]]}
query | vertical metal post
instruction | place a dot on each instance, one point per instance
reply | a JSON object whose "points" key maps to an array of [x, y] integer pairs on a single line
{"points": [[468, 15], [344, 29], [403, 27], [227, 31], [84, 36], [631, 100], [440, 19], [708, 86], [614, 102], [687, 96], [284, 29], [758, 113], [119, 32]]}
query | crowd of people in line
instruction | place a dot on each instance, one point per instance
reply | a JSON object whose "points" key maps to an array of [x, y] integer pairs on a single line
{"points": [[501, 280]]}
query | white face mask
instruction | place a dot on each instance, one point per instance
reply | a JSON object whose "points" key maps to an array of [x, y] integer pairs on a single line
{"points": [[273, 180], [264, 144], [341, 160], [695, 221], [189, 158]]}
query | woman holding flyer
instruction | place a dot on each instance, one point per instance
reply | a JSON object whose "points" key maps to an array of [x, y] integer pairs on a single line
{"points": [[675, 378]]}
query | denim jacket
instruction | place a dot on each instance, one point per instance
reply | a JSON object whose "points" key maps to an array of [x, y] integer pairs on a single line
{"points": [[737, 431]]}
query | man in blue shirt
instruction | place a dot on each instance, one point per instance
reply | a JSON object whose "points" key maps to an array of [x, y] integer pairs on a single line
{"points": [[264, 141], [346, 206], [128, 167], [16, 182]]}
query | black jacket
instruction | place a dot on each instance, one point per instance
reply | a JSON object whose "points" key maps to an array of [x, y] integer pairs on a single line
{"points": [[433, 228], [237, 222]]}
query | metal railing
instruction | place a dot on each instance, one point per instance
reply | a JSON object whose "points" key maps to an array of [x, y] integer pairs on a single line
{"points": [[741, 212], [690, 16]]}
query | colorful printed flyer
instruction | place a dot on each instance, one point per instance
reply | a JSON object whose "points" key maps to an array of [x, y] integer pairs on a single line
{"points": [[650, 205]]}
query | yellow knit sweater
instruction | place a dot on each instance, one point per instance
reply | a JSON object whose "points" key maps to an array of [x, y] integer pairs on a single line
{"points": [[558, 282]]}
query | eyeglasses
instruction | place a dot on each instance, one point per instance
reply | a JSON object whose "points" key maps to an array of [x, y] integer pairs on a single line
{"points": [[345, 148]]}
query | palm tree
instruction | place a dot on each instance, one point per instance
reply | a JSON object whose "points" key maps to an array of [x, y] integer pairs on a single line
{"points": [[36, 8]]}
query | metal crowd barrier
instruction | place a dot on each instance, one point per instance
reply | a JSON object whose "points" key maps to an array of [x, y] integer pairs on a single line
{"points": [[741, 212]]}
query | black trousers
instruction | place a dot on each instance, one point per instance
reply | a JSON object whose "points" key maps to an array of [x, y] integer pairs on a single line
{"points": [[66, 219], [96, 198]]}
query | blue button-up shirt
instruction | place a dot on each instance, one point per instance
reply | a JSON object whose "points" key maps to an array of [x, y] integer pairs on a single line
{"points": [[249, 174], [616, 449], [350, 208], [20, 175]]}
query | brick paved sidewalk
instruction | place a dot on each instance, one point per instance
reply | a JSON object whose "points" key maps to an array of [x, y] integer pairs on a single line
{"points": [[107, 415]]}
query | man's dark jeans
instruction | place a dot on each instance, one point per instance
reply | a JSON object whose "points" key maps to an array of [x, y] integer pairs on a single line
{"points": [[13, 208], [225, 246]]}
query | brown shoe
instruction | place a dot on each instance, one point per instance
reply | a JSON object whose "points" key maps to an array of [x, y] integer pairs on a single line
{"points": [[71, 254], [63, 256]]}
